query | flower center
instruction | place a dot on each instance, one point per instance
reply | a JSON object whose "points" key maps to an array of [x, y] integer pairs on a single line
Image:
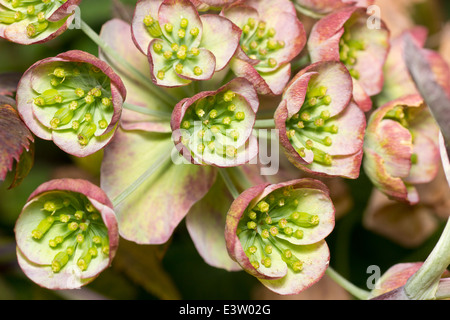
{"points": [[35, 11], [348, 51], [265, 229], [309, 128], [211, 125], [176, 45], [73, 228], [79, 99], [258, 42]]}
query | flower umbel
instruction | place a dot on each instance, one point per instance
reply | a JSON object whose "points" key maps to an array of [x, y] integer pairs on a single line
{"points": [[276, 232], [66, 234], [37, 21], [74, 99]]}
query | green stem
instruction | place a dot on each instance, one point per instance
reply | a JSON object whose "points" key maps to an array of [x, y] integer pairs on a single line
{"points": [[228, 77], [228, 182], [150, 112], [165, 156], [260, 133], [350, 287], [300, 63], [161, 94], [424, 284], [264, 124], [239, 175]]}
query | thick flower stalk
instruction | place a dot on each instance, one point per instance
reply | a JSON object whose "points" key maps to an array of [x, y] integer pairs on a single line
{"points": [[271, 37], [35, 21], [320, 8], [74, 99], [321, 127], [401, 148], [276, 233], [182, 46], [215, 127], [66, 234], [344, 36]]}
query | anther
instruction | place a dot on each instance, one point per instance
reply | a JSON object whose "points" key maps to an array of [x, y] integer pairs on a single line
{"points": [[168, 27], [60, 260], [252, 250], [240, 115], [251, 225], [184, 23], [42, 227], [263, 206], [194, 31], [198, 71], [283, 223], [298, 234], [274, 231]]}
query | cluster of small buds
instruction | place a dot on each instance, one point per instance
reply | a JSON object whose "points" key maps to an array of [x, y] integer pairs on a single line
{"points": [[348, 51], [277, 231], [258, 220], [271, 37], [216, 127], [76, 100], [66, 224], [82, 106], [303, 127], [181, 45], [324, 128], [26, 21], [259, 43], [72, 225], [344, 36]]}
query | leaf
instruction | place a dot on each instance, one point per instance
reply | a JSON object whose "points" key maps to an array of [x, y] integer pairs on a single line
{"points": [[14, 139], [142, 264], [23, 166]]}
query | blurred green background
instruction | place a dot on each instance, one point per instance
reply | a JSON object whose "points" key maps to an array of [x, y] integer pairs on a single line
{"points": [[177, 271]]}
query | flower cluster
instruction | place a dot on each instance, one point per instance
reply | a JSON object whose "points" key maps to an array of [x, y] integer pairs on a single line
{"points": [[29, 22], [176, 100]]}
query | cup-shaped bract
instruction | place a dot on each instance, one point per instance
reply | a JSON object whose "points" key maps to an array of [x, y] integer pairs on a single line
{"points": [[321, 128], [28, 22], [272, 36], [401, 148], [276, 233], [345, 36], [66, 234], [319, 8], [182, 46], [74, 99], [215, 127]]}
